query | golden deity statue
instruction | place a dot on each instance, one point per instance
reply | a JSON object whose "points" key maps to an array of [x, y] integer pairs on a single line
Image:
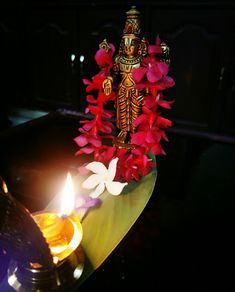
{"points": [[129, 100]]}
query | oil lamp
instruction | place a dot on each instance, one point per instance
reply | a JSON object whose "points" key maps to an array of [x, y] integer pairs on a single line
{"points": [[63, 233]]}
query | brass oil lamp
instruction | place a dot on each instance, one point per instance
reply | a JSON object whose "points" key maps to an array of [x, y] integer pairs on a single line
{"points": [[54, 260]]}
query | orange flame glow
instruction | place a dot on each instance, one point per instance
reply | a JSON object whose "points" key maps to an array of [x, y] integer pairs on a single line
{"points": [[67, 198]]}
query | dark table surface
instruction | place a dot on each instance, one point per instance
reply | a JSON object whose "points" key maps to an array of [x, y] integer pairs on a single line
{"points": [[32, 151]]}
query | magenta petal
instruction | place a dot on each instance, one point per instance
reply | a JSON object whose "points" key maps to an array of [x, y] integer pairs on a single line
{"points": [[81, 140], [157, 134], [90, 98], [154, 49], [137, 151], [86, 81], [138, 138], [140, 85], [112, 49], [163, 67], [140, 119], [106, 127], [103, 58], [107, 114], [88, 126], [100, 55], [169, 81], [95, 142], [149, 137], [165, 104], [151, 49], [163, 122], [91, 87], [138, 73], [87, 150], [153, 74], [158, 40], [164, 136], [156, 149]]}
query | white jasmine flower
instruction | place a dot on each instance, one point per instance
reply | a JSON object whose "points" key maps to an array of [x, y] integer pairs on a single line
{"points": [[103, 178]]}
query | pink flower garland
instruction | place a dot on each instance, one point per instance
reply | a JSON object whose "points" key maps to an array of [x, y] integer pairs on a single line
{"points": [[96, 136]]}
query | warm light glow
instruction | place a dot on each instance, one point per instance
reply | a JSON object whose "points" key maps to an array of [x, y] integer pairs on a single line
{"points": [[55, 260], [77, 273], [67, 197], [63, 235], [4, 187], [63, 232], [65, 247]]}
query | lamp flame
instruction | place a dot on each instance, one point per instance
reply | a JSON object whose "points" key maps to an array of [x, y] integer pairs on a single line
{"points": [[63, 230], [67, 198]]}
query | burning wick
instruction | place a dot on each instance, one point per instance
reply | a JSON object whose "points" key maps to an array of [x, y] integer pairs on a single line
{"points": [[63, 232], [68, 198]]}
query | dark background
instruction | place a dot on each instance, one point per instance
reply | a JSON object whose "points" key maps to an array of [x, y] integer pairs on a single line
{"points": [[38, 39], [185, 231]]}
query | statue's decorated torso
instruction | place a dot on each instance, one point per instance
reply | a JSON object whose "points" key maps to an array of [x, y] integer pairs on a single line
{"points": [[124, 67]]}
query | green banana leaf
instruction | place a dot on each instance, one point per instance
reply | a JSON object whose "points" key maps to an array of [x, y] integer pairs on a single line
{"points": [[106, 226]]}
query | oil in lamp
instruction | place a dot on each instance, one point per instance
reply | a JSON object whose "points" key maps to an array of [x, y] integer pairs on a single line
{"points": [[63, 234]]}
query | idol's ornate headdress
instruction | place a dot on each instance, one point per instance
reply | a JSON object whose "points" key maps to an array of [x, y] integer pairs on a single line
{"points": [[132, 25]]}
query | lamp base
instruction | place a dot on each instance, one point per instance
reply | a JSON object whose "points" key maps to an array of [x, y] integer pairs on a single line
{"points": [[60, 278]]}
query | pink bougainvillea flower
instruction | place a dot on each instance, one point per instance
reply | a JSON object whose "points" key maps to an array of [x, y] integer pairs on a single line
{"points": [[164, 103], [101, 99], [156, 70], [104, 98], [105, 58], [146, 119], [100, 122], [139, 74], [103, 178], [156, 48], [152, 69], [86, 138], [87, 141], [95, 83], [164, 83], [86, 150], [90, 99], [126, 169], [105, 153], [150, 125], [151, 119], [152, 102], [154, 88], [97, 125], [133, 165], [149, 140], [143, 162], [163, 123]]}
